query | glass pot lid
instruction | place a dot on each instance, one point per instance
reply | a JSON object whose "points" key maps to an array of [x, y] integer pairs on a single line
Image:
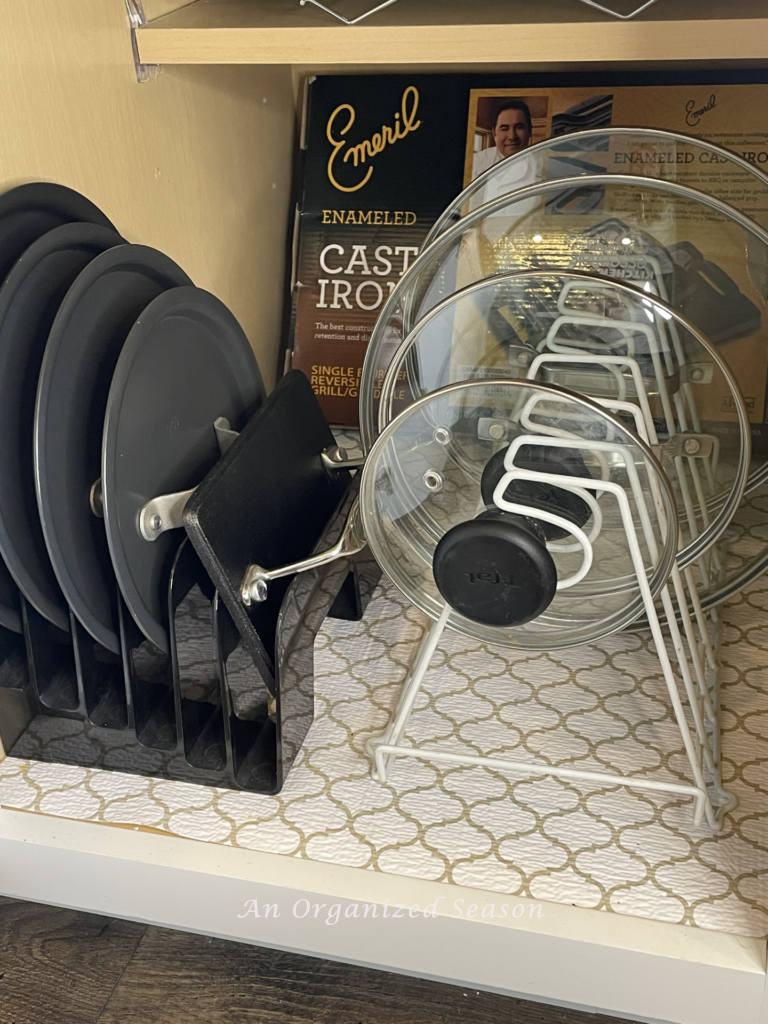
{"points": [[603, 339], [648, 152], [706, 260], [535, 541]]}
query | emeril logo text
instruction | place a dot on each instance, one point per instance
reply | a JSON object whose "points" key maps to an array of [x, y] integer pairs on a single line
{"points": [[342, 119], [694, 111]]}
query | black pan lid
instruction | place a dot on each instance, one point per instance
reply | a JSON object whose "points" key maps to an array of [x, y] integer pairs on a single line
{"points": [[83, 347], [30, 297], [186, 363], [29, 211], [26, 213]]}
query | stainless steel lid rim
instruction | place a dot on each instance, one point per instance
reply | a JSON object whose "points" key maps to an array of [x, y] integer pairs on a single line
{"points": [[546, 633], [724, 506], [395, 300], [549, 145]]}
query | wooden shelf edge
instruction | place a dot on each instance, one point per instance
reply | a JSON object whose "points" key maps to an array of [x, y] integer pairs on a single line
{"points": [[572, 956], [530, 44]]}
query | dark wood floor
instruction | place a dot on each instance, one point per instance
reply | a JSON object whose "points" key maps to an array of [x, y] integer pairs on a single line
{"points": [[65, 967]]}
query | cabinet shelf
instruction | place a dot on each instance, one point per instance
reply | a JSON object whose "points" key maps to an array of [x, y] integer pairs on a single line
{"points": [[424, 33]]}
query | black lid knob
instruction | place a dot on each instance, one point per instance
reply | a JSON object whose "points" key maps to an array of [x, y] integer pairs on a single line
{"points": [[495, 570], [537, 494]]}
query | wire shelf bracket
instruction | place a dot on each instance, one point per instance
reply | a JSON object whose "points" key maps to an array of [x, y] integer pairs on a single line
{"points": [[388, 3], [137, 19]]}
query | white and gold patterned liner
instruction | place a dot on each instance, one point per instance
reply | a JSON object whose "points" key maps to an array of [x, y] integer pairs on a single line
{"points": [[600, 847]]}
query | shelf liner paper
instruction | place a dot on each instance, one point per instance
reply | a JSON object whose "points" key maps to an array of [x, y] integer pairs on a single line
{"points": [[600, 707]]}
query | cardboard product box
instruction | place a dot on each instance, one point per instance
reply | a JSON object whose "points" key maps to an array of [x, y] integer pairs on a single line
{"points": [[385, 154], [377, 175]]}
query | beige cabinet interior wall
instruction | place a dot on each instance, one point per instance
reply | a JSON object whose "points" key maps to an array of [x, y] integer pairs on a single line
{"points": [[196, 162]]}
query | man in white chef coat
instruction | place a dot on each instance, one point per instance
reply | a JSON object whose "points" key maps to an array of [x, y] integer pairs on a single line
{"points": [[512, 132]]}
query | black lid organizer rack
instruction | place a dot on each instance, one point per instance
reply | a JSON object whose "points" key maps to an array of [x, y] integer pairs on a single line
{"points": [[123, 642]]}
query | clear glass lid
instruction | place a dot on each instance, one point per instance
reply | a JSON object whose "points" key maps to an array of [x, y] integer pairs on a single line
{"points": [[558, 533], [706, 260], [648, 152], [600, 338]]}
